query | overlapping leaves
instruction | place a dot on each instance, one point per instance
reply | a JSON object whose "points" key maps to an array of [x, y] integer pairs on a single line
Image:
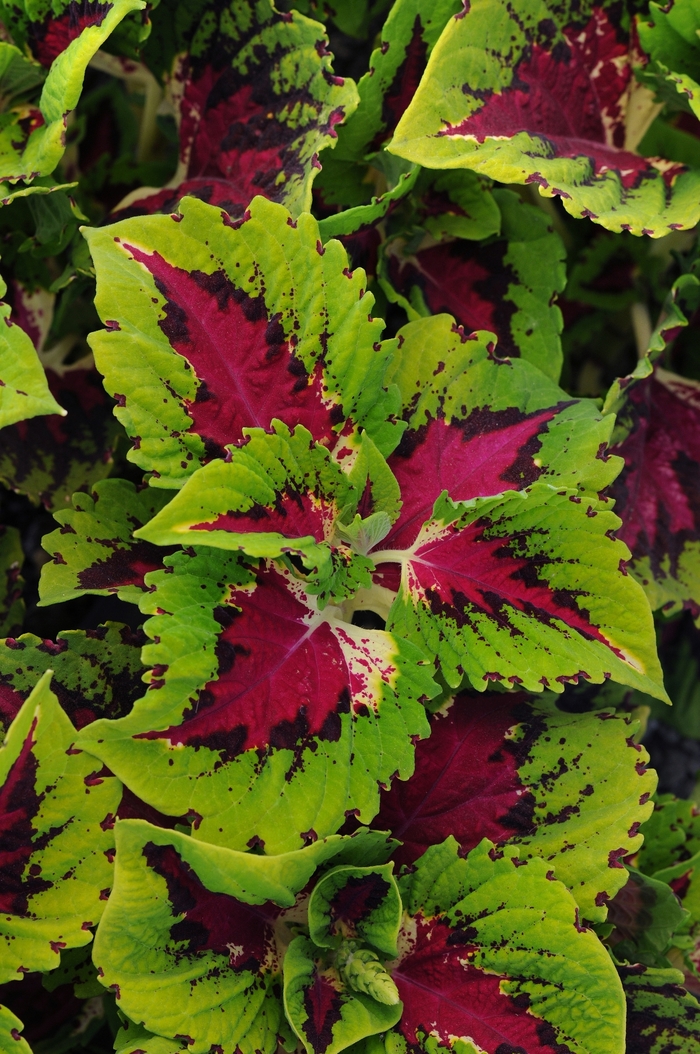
{"points": [[522, 772], [527, 94], [263, 736], [225, 327], [56, 817], [471, 967], [33, 137], [256, 101]]}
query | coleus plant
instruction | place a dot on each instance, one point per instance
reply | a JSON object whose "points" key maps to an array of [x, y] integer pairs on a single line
{"points": [[323, 720]]}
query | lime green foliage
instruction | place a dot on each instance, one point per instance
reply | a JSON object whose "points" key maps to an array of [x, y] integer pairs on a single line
{"points": [[378, 926], [588, 771], [95, 536], [27, 154], [570, 540], [467, 209], [178, 987], [480, 51], [231, 795], [11, 1042], [408, 35], [23, 388], [522, 926], [247, 490], [131, 1037], [529, 252], [60, 810], [353, 219], [671, 833], [646, 914], [662, 1017], [439, 373], [11, 602], [96, 673], [367, 997], [669, 36], [326, 314]]}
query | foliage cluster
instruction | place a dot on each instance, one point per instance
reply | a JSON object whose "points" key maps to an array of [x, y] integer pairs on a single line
{"points": [[350, 525]]}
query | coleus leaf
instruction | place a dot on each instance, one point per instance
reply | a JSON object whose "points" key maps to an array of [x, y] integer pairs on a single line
{"points": [[192, 928], [679, 308], [284, 494], [460, 204], [669, 35], [671, 834], [55, 813], [507, 284], [655, 493], [478, 424], [492, 957], [11, 1040], [24, 391], [131, 1038], [571, 789], [325, 1011], [360, 904], [480, 615], [662, 1017], [33, 141], [525, 94], [355, 219], [94, 551], [96, 672], [645, 915], [562, 608], [256, 101], [49, 458], [684, 880], [11, 583], [215, 332], [266, 719], [395, 69]]}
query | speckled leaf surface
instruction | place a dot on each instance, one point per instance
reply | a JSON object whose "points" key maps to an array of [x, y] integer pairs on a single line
{"points": [[94, 551], [33, 138], [283, 495], [493, 957], [266, 719], [662, 1017], [669, 36], [527, 589], [49, 458], [507, 284], [226, 327], [193, 934], [257, 100], [656, 494], [56, 815], [486, 424], [356, 904], [11, 1040], [395, 69], [507, 587], [96, 672], [671, 834], [11, 584], [527, 94], [24, 391], [571, 789]]}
